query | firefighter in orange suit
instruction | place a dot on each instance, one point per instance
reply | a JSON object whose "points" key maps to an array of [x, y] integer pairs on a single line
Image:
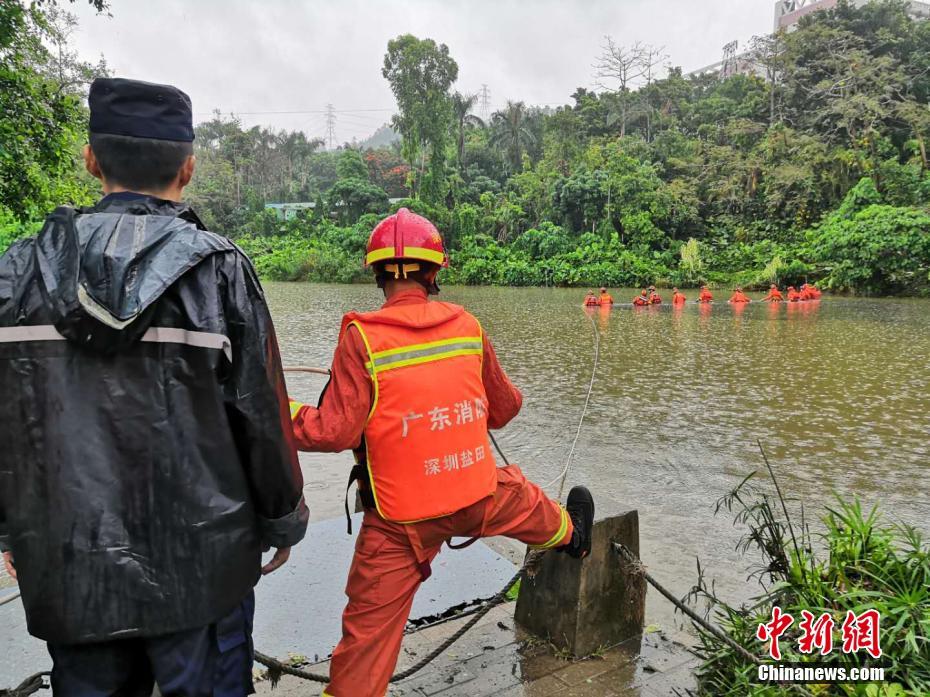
{"points": [[415, 387]]}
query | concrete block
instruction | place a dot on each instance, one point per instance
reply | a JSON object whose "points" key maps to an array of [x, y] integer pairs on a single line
{"points": [[584, 605]]}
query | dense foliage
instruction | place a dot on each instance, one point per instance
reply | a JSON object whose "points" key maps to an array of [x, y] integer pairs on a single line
{"points": [[859, 563], [812, 165], [43, 120]]}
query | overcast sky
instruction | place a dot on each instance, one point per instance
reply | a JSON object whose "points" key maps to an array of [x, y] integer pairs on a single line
{"points": [[246, 57]]}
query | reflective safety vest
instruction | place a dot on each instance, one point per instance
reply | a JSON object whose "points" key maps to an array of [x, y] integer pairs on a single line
{"points": [[426, 439]]}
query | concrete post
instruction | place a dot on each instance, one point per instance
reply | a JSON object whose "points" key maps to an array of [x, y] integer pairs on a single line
{"points": [[583, 605]]}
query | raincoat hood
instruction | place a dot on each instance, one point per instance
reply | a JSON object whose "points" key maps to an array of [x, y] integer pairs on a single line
{"points": [[102, 268]]}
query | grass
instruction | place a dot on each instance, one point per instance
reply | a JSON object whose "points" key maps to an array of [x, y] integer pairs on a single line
{"points": [[857, 561]]}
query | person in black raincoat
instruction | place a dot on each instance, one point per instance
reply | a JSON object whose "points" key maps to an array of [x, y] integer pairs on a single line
{"points": [[148, 457]]}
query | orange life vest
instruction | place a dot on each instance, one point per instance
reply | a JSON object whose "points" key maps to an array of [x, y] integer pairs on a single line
{"points": [[426, 438], [606, 299], [678, 299]]}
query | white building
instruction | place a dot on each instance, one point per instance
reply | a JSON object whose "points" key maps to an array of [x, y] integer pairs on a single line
{"points": [[787, 15], [789, 12]]}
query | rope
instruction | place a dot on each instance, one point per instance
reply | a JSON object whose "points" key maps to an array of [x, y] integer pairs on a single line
{"points": [[640, 568], [501, 452], [306, 369], [29, 686], [624, 551], [563, 475], [276, 668]]}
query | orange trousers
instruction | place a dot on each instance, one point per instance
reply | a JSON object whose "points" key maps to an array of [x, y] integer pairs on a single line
{"points": [[386, 573]]}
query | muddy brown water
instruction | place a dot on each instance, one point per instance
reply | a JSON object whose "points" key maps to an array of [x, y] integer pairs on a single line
{"points": [[838, 392]]}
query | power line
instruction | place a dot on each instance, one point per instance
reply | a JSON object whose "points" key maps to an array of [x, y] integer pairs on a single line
{"points": [[485, 106], [291, 111]]}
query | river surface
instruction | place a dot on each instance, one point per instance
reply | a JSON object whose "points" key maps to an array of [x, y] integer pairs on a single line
{"points": [[838, 393]]}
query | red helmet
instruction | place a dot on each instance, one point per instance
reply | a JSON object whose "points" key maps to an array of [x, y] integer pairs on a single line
{"points": [[405, 235]]}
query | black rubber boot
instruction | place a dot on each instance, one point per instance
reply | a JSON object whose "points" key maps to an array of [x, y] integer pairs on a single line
{"points": [[580, 508]]}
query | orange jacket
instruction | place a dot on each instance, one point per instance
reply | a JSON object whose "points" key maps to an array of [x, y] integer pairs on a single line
{"points": [[426, 439], [808, 294], [740, 297], [705, 297], [774, 296], [340, 421], [591, 300], [655, 299], [606, 299], [794, 296], [640, 300], [679, 299]]}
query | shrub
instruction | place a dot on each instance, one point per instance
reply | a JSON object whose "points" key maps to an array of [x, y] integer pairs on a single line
{"points": [[860, 563]]}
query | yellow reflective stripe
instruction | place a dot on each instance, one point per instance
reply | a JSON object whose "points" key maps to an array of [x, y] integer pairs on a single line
{"points": [[295, 408], [374, 401], [380, 362], [371, 413], [379, 254], [430, 344], [421, 253], [414, 354], [416, 360], [424, 254], [559, 537]]}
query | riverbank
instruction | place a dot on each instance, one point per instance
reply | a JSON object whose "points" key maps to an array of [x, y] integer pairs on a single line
{"points": [[865, 247]]}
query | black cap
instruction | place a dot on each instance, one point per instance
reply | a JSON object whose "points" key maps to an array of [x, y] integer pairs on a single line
{"points": [[140, 109]]}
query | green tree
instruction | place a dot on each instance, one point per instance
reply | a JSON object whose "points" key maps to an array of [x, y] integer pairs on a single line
{"points": [[511, 132], [420, 73], [351, 165], [43, 120], [461, 109]]}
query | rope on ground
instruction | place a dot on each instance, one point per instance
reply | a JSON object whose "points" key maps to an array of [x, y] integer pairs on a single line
{"points": [[29, 686], [640, 568], [276, 668], [563, 475]]}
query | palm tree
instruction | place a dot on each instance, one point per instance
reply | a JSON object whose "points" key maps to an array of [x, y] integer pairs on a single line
{"points": [[462, 104], [510, 131]]}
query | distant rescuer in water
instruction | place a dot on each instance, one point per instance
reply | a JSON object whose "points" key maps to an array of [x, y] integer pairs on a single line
{"points": [[739, 296], [605, 298], [590, 300], [654, 297], [678, 298], [415, 387], [705, 295], [641, 300], [774, 295], [149, 454]]}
